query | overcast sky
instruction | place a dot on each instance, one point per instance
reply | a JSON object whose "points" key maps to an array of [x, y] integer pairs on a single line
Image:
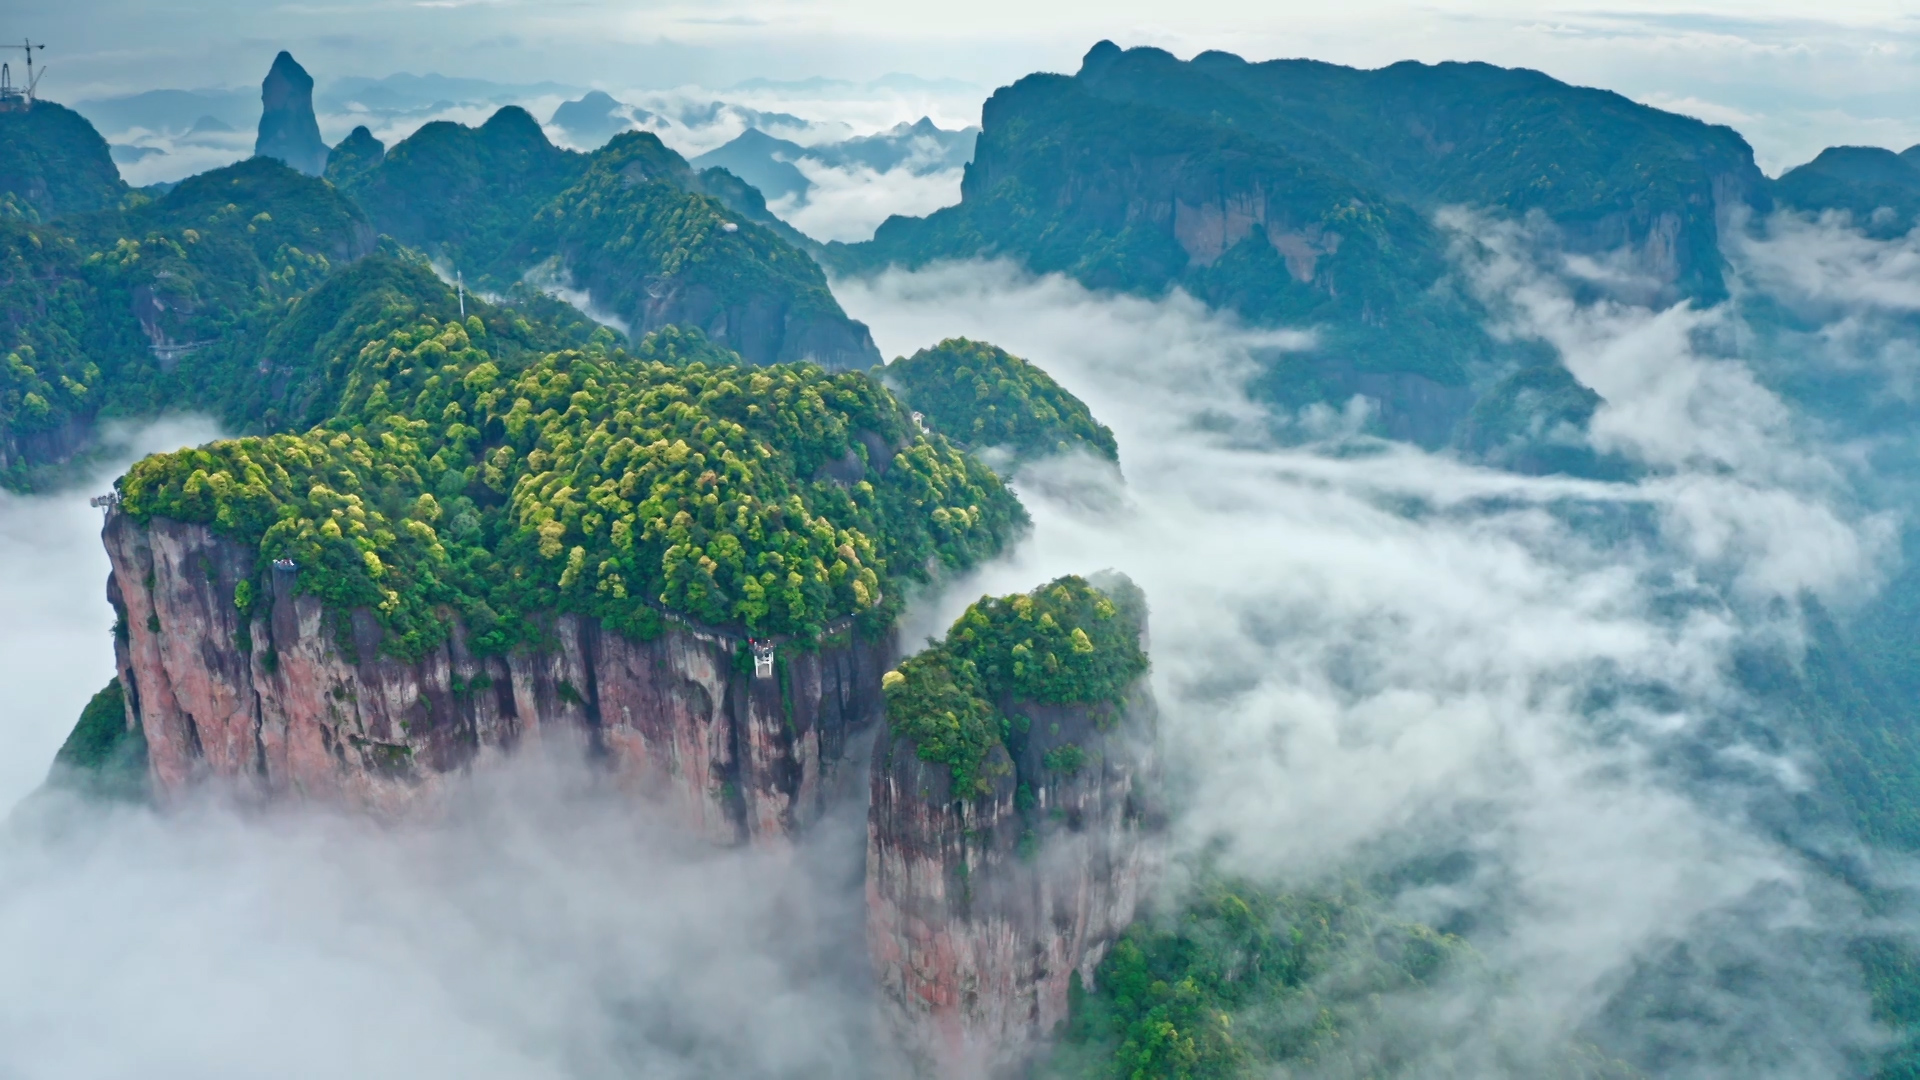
{"points": [[1792, 77]]}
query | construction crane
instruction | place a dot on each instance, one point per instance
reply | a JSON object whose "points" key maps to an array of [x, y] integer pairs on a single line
{"points": [[19, 98]]}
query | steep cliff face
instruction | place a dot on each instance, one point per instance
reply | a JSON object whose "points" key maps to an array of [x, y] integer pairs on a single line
{"points": [[981, 910], [289, 701], [288, 129], [1010, 838]]}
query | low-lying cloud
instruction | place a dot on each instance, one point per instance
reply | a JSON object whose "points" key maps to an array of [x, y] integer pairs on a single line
{"points": [[1364, 651], [848, 204], [55, 649], [548, 927]]}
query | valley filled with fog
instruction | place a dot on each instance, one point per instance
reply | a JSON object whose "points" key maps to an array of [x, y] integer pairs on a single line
{"points": [[1361, 649], [1515, 580]]}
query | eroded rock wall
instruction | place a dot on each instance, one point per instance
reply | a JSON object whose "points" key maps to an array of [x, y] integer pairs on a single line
{"points": [[981, 910], [292, 701]]}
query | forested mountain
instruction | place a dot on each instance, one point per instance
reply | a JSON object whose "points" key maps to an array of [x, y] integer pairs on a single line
{"points": [[1301, 193], [463, 193], [122, 304], [1879, 188], [160, 304], [649, 239], [985, 398], [56, 165]]}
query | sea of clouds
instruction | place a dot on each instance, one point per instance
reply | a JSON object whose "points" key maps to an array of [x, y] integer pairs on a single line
{"points": [[1366, 652], [1363, 651]]}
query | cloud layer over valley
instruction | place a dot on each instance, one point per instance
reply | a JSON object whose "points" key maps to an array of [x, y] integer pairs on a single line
{"points": [[1525, 701], [55, 651], [1364, 651]]}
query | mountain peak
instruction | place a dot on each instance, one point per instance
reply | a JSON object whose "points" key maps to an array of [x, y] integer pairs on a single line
{"points": [[288, 129], [287, 70], [1102, 54]]}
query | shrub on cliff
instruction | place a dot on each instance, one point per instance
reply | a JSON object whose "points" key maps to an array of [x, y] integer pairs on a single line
{"points": [[1065, 643], [980, 395], [102, 757], [458, 479]]}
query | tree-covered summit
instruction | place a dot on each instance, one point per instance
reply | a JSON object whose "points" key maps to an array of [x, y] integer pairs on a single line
{"points": [[980, 396], [636, 232], [649, 240], [53, 164], [1065, 643], [460, 477]]}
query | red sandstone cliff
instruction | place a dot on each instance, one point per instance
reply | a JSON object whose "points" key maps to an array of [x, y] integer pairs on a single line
{"points": [[980, 911], [283, 707]]}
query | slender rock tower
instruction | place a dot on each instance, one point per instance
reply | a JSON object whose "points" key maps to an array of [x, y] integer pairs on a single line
{"points": [[288, 130]]}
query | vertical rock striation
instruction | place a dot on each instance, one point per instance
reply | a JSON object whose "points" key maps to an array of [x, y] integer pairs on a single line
{"points": [[291, 701], [981, 911], [288, 129], [984, 904]]}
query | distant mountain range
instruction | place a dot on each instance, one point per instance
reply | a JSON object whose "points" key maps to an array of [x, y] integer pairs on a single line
{"points": [[769, 163], [1300, 193]]}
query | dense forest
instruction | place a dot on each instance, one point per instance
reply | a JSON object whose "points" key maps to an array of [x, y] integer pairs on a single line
{"points": [[1065, 643], [505, 485], [981, 397], [120, 303]]}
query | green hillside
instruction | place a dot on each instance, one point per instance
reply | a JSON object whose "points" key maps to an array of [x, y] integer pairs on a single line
{"points": [[55, 165], [982, 396], [463, 194]]}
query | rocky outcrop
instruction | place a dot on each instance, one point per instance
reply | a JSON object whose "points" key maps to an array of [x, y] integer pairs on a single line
{"points": [[288, 129], [980, 911], [287, 700]]}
